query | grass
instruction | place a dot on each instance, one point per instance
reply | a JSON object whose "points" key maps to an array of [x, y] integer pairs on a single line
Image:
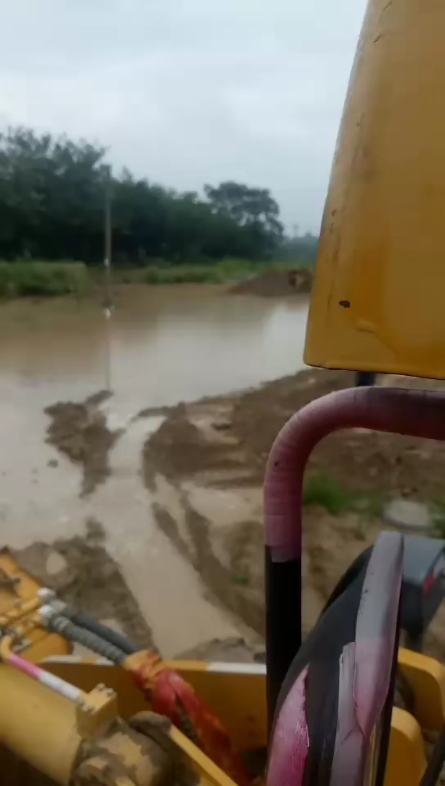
{"points": [[42, 279], [438, 518], [183, 274], [223, 271], [327, 493], [36, 278]]}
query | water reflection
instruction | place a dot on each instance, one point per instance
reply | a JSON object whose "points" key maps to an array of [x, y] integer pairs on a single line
{"points": [[167, 344]]}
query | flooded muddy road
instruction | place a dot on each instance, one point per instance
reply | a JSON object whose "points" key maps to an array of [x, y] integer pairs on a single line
{"points": [[72, 490]]}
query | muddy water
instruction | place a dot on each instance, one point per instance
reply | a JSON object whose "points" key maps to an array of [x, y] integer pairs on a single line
{"points": [[162, 346], [166, 344]]}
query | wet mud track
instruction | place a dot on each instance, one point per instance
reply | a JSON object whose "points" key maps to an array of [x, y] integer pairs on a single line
{"points": [[182, 523]]}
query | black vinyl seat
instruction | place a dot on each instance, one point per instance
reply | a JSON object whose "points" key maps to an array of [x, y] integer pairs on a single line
{"points": [[338, 692]]}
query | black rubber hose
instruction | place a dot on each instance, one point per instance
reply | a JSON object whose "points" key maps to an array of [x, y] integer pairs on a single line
{"points": [[74, 633], [87, 622]]}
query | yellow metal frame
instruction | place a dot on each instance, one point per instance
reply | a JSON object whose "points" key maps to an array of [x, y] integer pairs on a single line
{"points": [[426, 678], [17, 606], [377, 302], [237, 692], [48, 731], [406, 757]]}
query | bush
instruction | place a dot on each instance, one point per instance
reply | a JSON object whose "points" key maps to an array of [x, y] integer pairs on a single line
{"points": [[225, 270], [328, 494], [183, 274], [324, 491], [42, 279]]}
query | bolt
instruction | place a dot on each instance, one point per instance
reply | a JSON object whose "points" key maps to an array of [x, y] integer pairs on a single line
{"points": [[101, 686], [110, 692]]}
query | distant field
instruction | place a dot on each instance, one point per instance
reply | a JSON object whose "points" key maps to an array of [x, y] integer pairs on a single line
{"points": [[228, 270], [37, 278]]}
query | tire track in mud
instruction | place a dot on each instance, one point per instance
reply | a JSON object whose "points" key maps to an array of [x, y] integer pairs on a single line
{"points": [[155, 575], [219, 579], [182, 449]]}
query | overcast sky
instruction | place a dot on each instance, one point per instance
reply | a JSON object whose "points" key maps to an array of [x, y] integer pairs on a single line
{"points": [[187, 92]]}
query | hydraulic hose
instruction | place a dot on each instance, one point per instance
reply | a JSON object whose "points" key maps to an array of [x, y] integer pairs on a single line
{"points": [[74, 633], [410, 412], [87, 622]]}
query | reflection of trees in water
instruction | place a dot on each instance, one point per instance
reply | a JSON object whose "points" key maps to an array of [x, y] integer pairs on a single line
{"points": [[51, 341], [219, 323], [163, 346]]}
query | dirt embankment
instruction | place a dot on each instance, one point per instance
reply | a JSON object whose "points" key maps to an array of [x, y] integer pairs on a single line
{"points": [[227, 440], [213, 453], [276, 283], [84, 575]]}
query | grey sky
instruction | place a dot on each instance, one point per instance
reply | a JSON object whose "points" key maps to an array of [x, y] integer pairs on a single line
{"points": [[189, 91]]}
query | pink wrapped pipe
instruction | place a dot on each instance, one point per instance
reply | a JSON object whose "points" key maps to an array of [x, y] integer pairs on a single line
{"points": [[409, 412]]}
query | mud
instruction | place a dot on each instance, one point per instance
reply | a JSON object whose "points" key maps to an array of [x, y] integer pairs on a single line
{"points": [[80, 432], [180, 449], [192, 443], [203, 469], [88, 579], [221, 578], [219, 446], [276, 283], [225, 650]]}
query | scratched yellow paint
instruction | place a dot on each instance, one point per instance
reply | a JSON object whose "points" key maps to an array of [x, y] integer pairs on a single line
{"points": [[378, 302]]}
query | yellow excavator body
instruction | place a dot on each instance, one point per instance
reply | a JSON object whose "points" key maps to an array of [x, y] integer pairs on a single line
{"points": [[103, 737], [377, 303]]}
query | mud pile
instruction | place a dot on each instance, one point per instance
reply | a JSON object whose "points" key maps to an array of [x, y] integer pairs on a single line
{"points": [[213, 453], [276, 283], [80, 432], [228, 440], [84, 575]]}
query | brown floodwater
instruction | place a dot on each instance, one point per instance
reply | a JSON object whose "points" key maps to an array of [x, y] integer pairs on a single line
{"points": [[163, 345]]}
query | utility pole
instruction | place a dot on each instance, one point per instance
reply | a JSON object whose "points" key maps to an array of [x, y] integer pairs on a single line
{"points": [[107, 240], [108, 292]]}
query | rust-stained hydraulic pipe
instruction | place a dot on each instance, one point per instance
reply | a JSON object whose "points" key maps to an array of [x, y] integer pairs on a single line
{"points": [[410, 412]]}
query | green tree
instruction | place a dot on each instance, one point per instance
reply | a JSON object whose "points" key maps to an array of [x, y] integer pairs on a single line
{"points": [[243, 204], [301, 249], [52, 206]]}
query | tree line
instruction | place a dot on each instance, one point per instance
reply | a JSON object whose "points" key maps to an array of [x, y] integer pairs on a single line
{"points": [[52, 196]]}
